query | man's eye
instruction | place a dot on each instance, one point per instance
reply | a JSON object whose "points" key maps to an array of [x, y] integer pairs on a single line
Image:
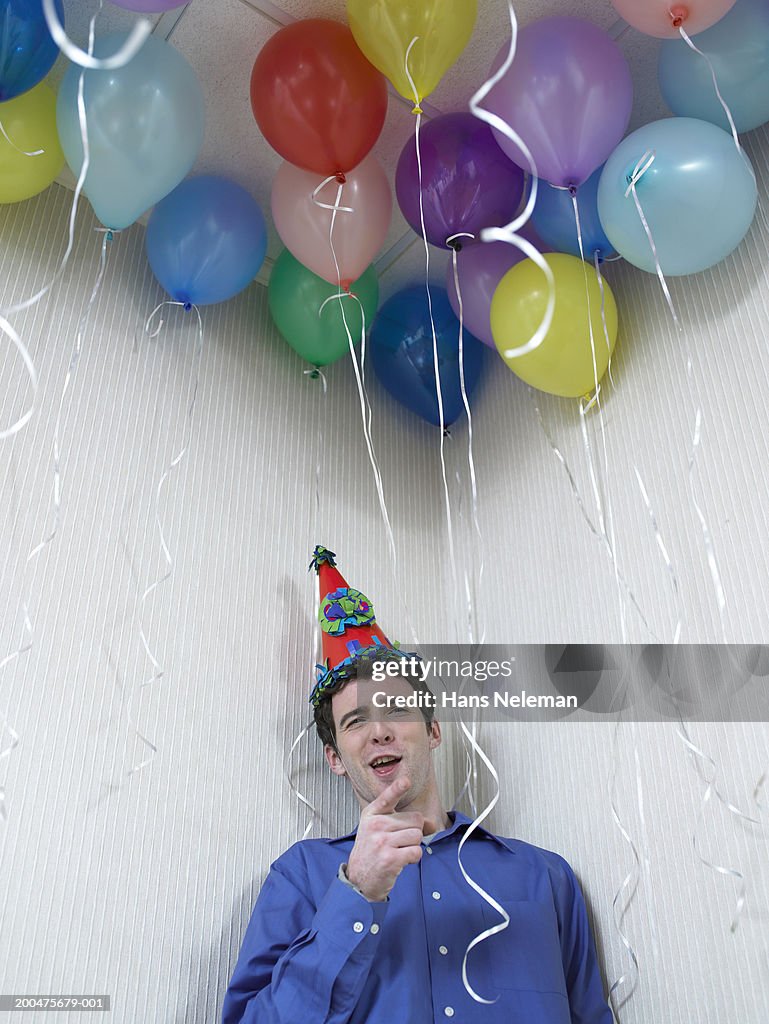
{"points": [[355, 721], [398, 711]]}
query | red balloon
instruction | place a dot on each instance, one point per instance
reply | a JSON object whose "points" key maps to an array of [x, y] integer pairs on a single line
{"points": [[317, 100]]}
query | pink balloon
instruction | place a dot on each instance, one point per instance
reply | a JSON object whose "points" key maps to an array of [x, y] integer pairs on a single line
{"points": [[149, 6], [663, 19], [304, 223]]}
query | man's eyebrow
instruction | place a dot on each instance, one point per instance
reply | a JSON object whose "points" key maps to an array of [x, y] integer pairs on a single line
{"points": [[351, 714]]}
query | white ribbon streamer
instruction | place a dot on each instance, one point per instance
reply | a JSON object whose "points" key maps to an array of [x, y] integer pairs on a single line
{"points": [[158, 670], [127, 52], [508, 233]]}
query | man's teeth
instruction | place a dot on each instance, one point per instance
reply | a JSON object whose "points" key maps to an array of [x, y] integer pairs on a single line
{"points": [[382, 761]]}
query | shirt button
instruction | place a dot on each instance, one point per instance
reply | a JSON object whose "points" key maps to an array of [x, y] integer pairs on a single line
{"points": [[374, 929], [436, 895], [358, 926], [442, 950], [449, 1011], [429, 849]]}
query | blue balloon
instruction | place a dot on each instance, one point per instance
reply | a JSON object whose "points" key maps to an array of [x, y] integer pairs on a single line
{"points": [[145, 127], [738, 47], [402, 353], [699, 196], [27, 49], [554, 221], [206, 241]]}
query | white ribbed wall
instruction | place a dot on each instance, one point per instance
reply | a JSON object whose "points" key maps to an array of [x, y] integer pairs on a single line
{"points": [[142, 886]]}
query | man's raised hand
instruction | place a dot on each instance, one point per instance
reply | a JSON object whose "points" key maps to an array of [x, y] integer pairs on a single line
{"points": [[387, 841]]}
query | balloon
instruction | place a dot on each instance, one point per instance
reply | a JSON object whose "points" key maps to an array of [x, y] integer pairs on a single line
{"points": [[664, 20], [738, 47], [206, 240], [304, 225], [27, 50], [480, 268], [467, 181], [403, 359], [29, 121], [568, 95], [149, 6], [699, 196], [563, 363], [145, 128], [316, 99], [554, 219], [312, 326], [384, 29]]}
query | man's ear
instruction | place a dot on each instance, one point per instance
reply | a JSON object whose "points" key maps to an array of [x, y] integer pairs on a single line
{"points": [[435, 734], [334, 760]]}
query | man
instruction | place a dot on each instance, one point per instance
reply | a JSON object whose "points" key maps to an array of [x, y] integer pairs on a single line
{"points": [[375, 926]]}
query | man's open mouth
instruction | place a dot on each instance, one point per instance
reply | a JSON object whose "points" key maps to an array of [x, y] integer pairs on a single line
{"points": [[385, 765]]}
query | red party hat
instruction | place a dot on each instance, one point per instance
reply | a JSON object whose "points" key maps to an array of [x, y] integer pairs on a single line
{"points": [[350, 630]]}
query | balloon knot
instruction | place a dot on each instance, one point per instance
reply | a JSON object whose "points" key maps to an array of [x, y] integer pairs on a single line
{"points": [[455, 244], [110, 236], [341, 178], [346, 285], [187, 307], [315, 374], [417, 109], [446, 432], [679, 14], [572, 189]]}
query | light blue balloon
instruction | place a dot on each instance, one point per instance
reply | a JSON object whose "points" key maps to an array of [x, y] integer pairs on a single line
{"points": [[699, 196], [556, 225], [738, 47], [145, 128], [206, 241]]}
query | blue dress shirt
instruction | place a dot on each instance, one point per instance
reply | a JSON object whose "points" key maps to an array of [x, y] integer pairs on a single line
{"points": [[317, 952]]}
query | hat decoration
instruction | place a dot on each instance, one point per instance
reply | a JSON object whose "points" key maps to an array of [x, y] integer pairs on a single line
{"points": [[350, 630]]}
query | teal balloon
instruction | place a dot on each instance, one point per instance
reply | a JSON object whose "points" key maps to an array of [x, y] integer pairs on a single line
{"points": [[313, 326], [699, 196], [738, 47], [145, 128]]}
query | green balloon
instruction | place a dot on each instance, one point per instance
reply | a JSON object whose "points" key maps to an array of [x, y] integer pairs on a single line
{"points": [[296, 296]]}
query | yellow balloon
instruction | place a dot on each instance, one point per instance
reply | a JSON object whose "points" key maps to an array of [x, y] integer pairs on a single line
{"points": [[563, 363], [384, 29], [29, 122]]}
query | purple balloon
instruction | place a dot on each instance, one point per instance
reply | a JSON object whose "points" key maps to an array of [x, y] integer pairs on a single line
{"points": [[480, 268], [467, 182], [149, 6], [568, 95]]}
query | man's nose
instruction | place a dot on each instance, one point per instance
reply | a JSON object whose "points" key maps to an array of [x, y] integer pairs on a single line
{"points": [[381, 730]]}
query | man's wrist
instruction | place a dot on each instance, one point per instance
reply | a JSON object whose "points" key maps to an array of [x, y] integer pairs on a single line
{"points": [[345, 878]]}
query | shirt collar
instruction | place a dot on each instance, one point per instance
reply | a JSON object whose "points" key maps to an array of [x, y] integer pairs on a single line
{"points": [[459, 822]]}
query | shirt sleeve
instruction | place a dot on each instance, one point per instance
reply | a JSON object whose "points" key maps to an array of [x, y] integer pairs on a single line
{"points": [[587, 1002], [299, 962]]}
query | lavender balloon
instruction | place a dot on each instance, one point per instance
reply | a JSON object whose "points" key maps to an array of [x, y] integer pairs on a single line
{"points": [[568, 95], [467, 182], [149, 6], [480, 268]]}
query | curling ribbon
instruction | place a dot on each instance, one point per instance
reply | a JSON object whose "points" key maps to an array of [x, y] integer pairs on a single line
{"points": [[436, 369], [156, 666], [508, 233], [127, 52], [365, 408]]}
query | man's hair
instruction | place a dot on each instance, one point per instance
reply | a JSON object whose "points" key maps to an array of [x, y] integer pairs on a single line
{"points": [[324, 715]]}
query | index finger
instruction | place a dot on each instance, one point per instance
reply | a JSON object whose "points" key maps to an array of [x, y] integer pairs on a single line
{"points": [[387, 800]]}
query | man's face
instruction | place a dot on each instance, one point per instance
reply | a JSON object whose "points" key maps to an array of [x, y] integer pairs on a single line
{"points": [[377, 745]]}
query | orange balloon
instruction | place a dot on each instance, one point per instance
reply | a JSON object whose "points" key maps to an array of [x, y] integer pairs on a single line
{"points": [[317, 100]]}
